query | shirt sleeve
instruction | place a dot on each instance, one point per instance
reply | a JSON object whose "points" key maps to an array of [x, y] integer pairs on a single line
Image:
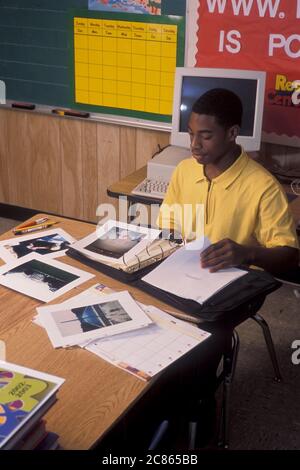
{"points": [[275, 225]]}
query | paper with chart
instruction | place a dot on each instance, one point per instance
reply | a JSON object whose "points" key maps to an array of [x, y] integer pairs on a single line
{"points": [[128, 63], [181, 274], [147, 351]]}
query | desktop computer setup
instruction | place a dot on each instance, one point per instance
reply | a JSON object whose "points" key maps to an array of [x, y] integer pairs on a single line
{"points": [[190, 84]]}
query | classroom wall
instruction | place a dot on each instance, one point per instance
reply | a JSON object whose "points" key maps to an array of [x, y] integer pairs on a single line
{"points": [[63, 165]]}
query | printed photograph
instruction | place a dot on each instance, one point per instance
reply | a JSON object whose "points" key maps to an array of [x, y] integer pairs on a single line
{"points": [[79, 320], [116, 242], [41, 275], [41, 279], [91, 317], [51, 244]]}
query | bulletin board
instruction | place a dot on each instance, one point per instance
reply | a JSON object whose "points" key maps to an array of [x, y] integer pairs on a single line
{"points": [[255, 37], [125, 64]]}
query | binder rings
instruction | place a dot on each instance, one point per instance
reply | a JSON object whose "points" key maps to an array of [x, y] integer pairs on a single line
{"points": [[144, 262], [119, 274]]}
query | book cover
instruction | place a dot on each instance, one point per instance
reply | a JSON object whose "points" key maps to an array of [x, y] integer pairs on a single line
{"points": [[23, 392]]}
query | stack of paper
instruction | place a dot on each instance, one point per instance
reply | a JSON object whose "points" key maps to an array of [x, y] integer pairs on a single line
{"points": [[148, 351], [181, 274], [142, 351], [85, 318]]}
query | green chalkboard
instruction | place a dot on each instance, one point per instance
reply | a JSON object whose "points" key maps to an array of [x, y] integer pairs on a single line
{"points": [[35, 48]]}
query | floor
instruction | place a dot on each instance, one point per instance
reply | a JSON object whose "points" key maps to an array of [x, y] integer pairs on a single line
{"points": [[265, 415]]}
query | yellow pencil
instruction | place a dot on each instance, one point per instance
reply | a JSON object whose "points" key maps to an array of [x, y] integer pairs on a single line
{"points": [[33, 228]]}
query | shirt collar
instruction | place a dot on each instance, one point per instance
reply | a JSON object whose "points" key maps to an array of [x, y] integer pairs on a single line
{"points": [[228, 176]]}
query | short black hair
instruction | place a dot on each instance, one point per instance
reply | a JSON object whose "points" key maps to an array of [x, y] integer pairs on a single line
{"points": [[225, 105]]}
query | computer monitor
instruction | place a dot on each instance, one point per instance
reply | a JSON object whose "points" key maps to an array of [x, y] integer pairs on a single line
{"points": [[191, 83]]}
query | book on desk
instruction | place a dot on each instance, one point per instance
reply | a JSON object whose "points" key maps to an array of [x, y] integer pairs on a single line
{"points": [[25, 396]]}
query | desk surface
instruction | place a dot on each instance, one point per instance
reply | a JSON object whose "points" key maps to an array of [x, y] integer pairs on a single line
{"points": [[126, 185], [95, 393]]}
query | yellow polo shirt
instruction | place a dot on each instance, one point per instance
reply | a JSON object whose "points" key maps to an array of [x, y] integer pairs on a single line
{"points": [[245, 203]]}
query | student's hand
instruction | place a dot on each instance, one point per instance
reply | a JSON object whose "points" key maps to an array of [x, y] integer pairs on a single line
{"points": [[223, 254]]}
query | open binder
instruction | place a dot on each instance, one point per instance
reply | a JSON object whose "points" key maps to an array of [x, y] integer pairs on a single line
{"points": [[139, 265], [231, 298], [240, 293]]}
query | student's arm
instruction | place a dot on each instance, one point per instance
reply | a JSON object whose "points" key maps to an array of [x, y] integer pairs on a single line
{"points": [[227, 253], [275, 233]]}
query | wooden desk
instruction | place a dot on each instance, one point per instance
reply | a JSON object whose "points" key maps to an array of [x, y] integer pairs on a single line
{"points": [[95, 393], [126, 185]]}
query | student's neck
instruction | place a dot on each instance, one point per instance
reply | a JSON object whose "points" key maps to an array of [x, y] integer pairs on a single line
{"points": [[215, 169]]}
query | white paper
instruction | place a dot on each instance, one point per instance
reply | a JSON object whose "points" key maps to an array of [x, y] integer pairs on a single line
{"points": [[147, 351], [181, 274], [124, 248], [65, 323], [13, 248], [40, 278]]}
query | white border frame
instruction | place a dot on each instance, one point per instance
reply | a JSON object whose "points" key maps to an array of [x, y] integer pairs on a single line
{"points": [[181, 139], [33, 289], [138, 319], [7, 256]]}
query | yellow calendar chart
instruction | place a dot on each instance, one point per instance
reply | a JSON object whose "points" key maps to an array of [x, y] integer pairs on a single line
{"points": [[124, 64]]}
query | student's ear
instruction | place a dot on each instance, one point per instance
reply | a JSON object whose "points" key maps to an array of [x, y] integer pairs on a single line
{"points": [[233, 132]]}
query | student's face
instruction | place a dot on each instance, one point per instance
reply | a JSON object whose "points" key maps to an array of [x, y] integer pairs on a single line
{"points": [[210, 141]]}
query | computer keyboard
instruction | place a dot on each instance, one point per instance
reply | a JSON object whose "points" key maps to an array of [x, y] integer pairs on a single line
{"points": [[151, 188]]}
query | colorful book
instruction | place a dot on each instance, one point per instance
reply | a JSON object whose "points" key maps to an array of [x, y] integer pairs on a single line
{"points": [[25, 394]]}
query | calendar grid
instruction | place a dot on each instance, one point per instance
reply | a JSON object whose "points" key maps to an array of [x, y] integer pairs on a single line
{"points": [[125, 64]]}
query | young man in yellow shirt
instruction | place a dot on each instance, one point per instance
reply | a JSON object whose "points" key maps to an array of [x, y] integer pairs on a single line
{"points": [[246, 214], [247, 220]]}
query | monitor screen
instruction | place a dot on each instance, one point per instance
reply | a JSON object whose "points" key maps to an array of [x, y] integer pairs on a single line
{"points": [[191, 83]]}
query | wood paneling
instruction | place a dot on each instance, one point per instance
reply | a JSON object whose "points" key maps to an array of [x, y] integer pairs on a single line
{"points": [[4, 184], [46, 177], [65, 166], [147, 144], [89, 170], [127, 151], [108, 154], [19, 159], [72, 184]]}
